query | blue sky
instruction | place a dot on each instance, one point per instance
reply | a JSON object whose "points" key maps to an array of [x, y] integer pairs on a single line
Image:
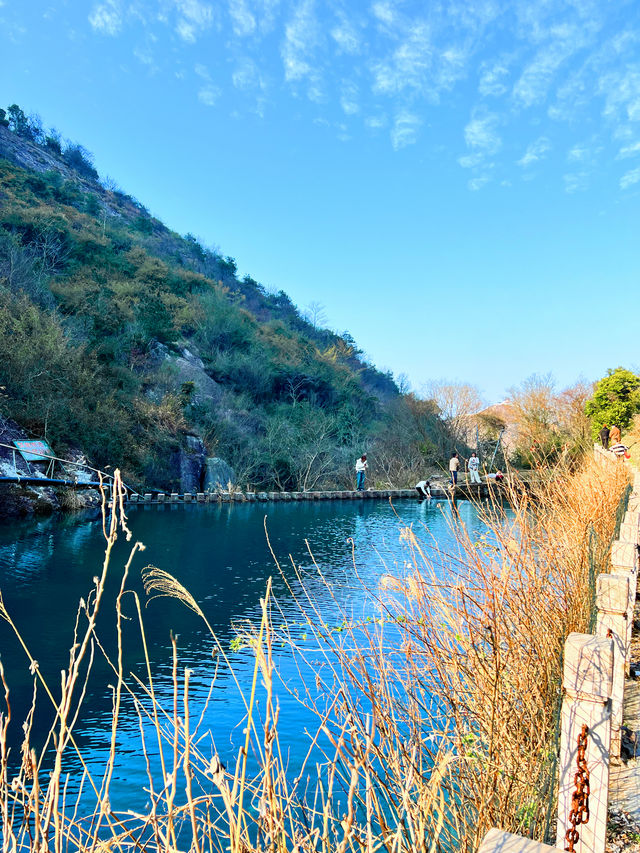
{"points": [[458, 183]]}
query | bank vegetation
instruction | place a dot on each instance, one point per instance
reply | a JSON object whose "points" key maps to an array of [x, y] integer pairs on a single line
{"points": [[436, 718]]}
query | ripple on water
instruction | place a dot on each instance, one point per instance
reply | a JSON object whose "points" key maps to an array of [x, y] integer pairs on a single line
{"points": [[220, 553]]}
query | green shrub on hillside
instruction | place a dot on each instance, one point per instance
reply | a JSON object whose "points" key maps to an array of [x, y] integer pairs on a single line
{"points": [[101, 295]]}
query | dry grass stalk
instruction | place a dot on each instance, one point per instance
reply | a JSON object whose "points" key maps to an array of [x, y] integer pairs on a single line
{"points": [[434, 721]]}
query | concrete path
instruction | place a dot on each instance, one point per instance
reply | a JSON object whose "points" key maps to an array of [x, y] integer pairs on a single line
{"points": [[624, 779]]}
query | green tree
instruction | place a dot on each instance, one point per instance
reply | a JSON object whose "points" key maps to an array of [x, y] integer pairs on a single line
{"points": [[53, 141], [78, 158], [19, 123], [616, 400]]}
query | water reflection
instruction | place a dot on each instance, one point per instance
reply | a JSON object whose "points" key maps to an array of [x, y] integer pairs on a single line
{"points": [[221, 554]]}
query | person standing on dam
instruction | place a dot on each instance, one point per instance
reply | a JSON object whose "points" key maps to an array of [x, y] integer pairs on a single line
{"points": [[361, 471], [473, 464], [454, 464]]}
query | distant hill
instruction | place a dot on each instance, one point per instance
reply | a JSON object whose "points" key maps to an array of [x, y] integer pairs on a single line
{"points": [[144, 349]]}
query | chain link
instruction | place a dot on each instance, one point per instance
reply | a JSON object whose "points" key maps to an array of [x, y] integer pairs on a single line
{"points": [[580, 799]]}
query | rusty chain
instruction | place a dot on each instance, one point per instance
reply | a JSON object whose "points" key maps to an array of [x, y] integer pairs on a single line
{"points": [[580, 799]]}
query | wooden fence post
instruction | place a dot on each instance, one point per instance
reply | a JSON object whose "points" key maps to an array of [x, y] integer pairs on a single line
{"points": [[588, 675], [612, 602]]}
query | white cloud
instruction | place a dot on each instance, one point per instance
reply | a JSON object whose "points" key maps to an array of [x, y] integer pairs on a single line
{"points": [[583, 157], [349, 99], [621, 91], [470, 161], [383, 10], [346, 36], [579, 154], [301, 36], [483, 140], [629, 150], [243, 20], [476, 184], [316, 92], [405, 129], [343, 135], [106, 18], [194, 17], [208, 95], [571, 96], [493, 80], [376, 122], [535, 152], [536, 78], [145, 57], [451, 66], [264, 11], [560, 42], [481, 133], [408, 65], [247, 76], [575, 182], [630, 178]]}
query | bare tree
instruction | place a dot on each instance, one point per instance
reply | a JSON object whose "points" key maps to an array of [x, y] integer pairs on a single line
{"points": [[295, 386], [23, 269], [547, 420], [316, 314], [570, 404], [300, 453], [534, 406], [457, 403], [50, 247], [403, 383]]}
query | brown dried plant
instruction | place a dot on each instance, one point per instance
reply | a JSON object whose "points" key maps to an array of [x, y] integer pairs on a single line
{"points": [[435, 719]]}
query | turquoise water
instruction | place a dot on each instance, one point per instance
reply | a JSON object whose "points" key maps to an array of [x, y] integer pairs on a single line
{"points": [[220, 553]]}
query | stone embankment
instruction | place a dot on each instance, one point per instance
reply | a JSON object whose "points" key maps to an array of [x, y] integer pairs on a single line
{"points": [[251, 497], [464, 491]]}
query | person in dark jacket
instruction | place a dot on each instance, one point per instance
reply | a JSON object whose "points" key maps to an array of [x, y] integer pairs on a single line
{"points": [[604, 436]]}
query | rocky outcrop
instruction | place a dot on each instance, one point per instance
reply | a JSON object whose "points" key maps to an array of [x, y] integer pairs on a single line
{"points": [[176, 371], [77, 468], [218, 474], [11, 463], [18, 501], [30, 156]]}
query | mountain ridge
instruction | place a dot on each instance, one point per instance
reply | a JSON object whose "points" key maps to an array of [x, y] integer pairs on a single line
{"points": [[134, 321]]}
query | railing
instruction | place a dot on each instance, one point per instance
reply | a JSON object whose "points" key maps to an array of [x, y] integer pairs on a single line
{"points": [[105, 479], [595, 668]]}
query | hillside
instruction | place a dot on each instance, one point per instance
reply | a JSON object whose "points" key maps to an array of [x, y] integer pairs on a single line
{"points": [[144, 349]]}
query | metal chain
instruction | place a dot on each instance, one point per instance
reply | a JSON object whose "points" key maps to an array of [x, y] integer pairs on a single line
{"points": [[580, 799]]}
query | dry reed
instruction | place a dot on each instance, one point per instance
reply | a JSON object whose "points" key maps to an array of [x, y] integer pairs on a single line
{"points": [[435, 720]]}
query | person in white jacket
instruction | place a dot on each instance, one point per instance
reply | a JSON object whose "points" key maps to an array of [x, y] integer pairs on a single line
{"points": [[473, 465], [423, 488], [361, 471]]}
